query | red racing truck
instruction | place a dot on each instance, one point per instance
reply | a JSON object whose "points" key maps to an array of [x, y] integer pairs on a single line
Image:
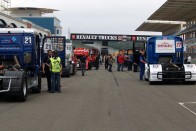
{"points": [[79, 52]]}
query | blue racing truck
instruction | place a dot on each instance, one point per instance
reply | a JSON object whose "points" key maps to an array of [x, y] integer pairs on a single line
{"points": [[165, 61], [19, 62]]}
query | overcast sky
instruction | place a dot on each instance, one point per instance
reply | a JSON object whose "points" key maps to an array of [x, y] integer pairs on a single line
{"points": [[97, 16]]}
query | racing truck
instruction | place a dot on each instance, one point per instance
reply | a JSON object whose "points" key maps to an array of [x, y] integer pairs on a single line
{"points": [[19, 62], [94, 54], [58, 43], [78, 53], [165, 61]]}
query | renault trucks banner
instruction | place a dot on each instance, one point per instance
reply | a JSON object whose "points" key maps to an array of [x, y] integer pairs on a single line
{"points": [[102, 37]]}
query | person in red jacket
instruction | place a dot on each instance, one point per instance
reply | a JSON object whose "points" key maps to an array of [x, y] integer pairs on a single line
{"points": [[120, 61]]}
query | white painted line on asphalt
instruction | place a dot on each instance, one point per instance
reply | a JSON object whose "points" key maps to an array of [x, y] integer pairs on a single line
{"points": [[183, 105]]}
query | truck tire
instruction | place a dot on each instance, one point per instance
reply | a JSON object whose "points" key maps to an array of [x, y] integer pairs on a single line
{"points": [[24, 91], [37, 89], [20, 84]]}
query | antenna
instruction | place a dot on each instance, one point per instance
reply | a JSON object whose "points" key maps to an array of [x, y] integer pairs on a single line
{"points": [[5, 4]]}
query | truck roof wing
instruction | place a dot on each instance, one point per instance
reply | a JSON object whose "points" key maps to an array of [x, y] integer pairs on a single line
{"points": [[17, 30]]}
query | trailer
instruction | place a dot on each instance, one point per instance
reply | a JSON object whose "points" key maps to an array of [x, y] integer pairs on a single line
{"points": [[19, 62], [165, 61]]}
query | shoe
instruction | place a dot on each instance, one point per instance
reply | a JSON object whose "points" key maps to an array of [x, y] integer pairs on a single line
{"points": [[58, 91], [52, 92], [82, 74]]}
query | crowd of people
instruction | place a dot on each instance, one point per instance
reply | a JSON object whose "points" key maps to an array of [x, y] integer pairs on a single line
{"points": [[52, 66], [125, 61]]}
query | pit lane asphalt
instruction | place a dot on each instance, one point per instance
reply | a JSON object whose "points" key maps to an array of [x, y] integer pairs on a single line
{"points": [[103, 101]]}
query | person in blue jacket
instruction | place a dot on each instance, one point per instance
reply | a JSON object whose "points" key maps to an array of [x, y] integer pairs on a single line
{"points": [[142, 63]]}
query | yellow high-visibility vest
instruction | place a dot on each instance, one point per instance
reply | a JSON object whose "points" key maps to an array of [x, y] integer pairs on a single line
{"points": [[55, 65]]}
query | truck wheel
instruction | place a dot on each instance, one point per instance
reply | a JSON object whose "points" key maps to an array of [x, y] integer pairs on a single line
{"points": [[20, 84], [37, 89], [146, 79], [23, 93]]}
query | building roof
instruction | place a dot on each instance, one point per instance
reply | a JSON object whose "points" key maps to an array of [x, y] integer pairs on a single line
{"points": [[159, 26], [175, 10], [189, 29], [42, 10], [17, 30]]}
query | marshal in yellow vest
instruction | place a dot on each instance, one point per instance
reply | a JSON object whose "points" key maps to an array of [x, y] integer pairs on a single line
{"points": [[55, 64]]}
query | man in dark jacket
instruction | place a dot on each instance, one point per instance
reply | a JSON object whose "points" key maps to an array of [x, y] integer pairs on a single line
{"points": [[46, 69], [82, 61]]}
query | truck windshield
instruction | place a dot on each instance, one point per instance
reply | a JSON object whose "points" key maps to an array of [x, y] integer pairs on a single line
{"points": [[164, 59], [53, 44]]}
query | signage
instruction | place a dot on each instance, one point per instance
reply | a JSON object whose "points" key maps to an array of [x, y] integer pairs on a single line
{"points": [[178, 45], [102, 37], [6, 39], [165, 46]]}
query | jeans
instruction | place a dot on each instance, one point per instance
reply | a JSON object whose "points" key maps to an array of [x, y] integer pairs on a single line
{"points": [[120, 66], [110, 68], [83, 68], [142, 68], [55, 81], [48, 76], [130, 64], [106, 65]]}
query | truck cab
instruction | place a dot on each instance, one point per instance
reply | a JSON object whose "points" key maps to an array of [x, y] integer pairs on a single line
{"points": [[165, 61], [19, 62]]}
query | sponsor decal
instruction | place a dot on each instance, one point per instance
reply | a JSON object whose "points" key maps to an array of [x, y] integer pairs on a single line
{"points": [[13, 39], [155, 66], [165, 46], [189, 66]]}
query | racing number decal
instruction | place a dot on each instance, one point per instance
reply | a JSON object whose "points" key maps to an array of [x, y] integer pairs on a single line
{"points": [[48, 47], [68, 47], [178, 44], [27, 40]]}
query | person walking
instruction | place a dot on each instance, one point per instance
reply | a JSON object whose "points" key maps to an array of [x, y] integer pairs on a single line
{"points": [[97, 61], [56, 67], [110, 62], [82, 62], [46, 68], [130, 62], [106, 62], [142, 63]]}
